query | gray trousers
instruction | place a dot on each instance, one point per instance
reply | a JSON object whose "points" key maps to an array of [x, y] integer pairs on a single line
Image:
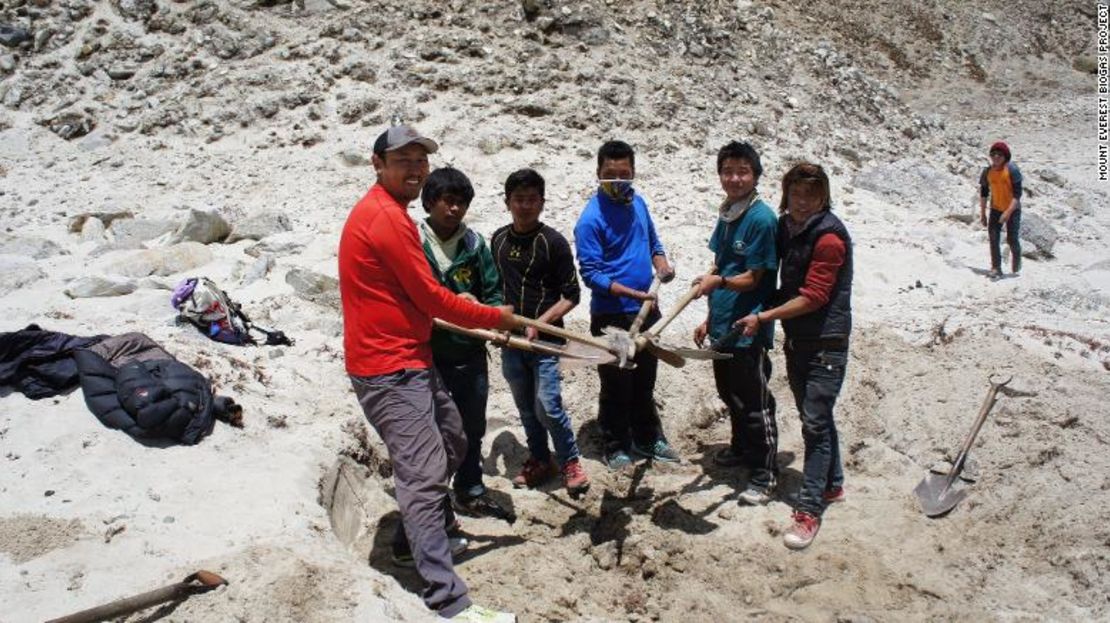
{"points": [[422, 430]]}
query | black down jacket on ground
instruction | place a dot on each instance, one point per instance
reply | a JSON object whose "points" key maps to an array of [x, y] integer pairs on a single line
{"points": [[159, 398]]}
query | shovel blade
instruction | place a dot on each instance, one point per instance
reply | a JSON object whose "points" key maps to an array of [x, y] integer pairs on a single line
{"points": [[936, 496]]}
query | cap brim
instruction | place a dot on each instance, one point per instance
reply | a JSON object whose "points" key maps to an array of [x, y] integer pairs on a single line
{"points": [[424, 142]]}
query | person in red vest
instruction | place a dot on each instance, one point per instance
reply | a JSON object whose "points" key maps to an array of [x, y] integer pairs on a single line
{"points": [[390, 297], [1001, 183]]}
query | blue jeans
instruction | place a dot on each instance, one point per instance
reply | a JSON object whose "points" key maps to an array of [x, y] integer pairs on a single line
{"points": [[815, 379], [534, 382], [467, 380], [1013, 238]]}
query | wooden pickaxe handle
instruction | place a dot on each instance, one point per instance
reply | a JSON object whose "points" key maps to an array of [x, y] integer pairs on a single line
{"points": [[512, 341], [686, 299], [645, 308], [194, 584]]}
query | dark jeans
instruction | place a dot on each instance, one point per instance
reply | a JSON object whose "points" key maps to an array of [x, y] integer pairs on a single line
{"points": [[536, 387], [742, 386], [626, 403], [1013, 238], [815, 379], [415, 417], [467, 380]]}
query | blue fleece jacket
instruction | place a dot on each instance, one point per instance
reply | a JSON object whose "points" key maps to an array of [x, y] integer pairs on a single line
{"points": [[615, 242]]}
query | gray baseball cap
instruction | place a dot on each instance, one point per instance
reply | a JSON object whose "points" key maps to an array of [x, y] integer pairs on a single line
{"points": [[398, 136]]}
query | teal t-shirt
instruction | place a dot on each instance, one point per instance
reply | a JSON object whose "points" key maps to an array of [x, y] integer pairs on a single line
{"points": [[747, 243]]}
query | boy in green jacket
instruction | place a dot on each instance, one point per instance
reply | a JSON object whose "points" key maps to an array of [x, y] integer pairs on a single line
{"points": [[461, 261]]}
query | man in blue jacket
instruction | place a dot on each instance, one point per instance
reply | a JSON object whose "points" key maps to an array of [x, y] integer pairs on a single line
{"points": [[617, 249]]}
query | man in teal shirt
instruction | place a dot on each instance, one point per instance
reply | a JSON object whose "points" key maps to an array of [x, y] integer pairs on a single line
{"points": [[743, 244]]}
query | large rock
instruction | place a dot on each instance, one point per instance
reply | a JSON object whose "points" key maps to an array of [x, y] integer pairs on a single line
{"points": [[202, 226], [130, 233], [278, 245], [77, 223], [29, 246], [312, 286], [93, 287], [1037, 235], [17, 272], [259, 226], [164, 261]]}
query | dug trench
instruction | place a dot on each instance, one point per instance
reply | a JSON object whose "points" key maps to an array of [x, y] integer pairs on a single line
{"points": [[669, 542]]}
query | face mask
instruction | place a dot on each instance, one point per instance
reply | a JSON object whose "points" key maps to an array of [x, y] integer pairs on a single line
{"points": [[618, 190]]}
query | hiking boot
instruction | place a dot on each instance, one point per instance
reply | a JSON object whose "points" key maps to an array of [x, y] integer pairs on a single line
{"points": [[834, 495], [659, 451], [482, 506], [575, 478], [477, 614], [402, 556], [728, 457], [617, 460], [534, 473], [754, 496], [995, 274], [801, 533]]}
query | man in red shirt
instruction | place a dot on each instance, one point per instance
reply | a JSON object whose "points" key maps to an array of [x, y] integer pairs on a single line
{"points": [[389, 299]]}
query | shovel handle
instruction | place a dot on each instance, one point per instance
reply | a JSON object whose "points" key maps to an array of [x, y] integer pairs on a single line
{"points": [[502, 339], [194, 584], [566, 334], [988, 404], [645, 308], [686, 299]]}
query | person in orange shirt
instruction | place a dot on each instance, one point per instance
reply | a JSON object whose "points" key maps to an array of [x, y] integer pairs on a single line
{"points": [[1001, 183]]}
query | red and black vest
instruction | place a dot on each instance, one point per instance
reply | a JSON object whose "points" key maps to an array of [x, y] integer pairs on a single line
{"points": [[834, 320]]}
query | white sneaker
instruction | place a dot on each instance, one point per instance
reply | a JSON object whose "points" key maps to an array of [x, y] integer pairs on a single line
{"points": [[478, 614], [754, 496]]}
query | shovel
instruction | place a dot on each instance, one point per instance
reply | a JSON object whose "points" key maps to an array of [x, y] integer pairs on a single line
{"points": [[935, 492], [194, 584], [649, 339]]}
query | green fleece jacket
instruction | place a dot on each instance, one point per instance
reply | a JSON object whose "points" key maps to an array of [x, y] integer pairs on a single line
{"points": [[473, 270]]}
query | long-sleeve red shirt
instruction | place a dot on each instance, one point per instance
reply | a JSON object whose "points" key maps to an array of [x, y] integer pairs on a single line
{"points": [[389, 293], [829, 254]]}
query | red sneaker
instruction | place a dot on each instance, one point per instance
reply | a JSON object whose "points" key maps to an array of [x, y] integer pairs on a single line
{"points": [[802, 532], [534, 473], [575, 478], [834, 495]]}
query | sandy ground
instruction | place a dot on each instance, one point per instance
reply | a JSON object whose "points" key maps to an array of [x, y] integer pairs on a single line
{"points": [[293, 510]]}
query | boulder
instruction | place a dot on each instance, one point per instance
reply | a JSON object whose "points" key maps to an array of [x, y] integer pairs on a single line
{"points": [[163, 262], [92, 230], [312, 286], [278, 245], [29, 247], [70, 124], [1037, 236], [260, 226], [202, 226], [130, 233], [259, 269], [93, 287]]}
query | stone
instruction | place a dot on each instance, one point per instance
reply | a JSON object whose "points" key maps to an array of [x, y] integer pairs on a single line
{"points": [[12, 36], [17, 272], [1038, 233], [353, 158], [94, 287], [130, 233], [278, 245], [202, 226], [312, 286], [164, 261], [29, 247], [259, 269], [260, 226], [93, 230], [1086, 64], [69, 125], [120, 73]]}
